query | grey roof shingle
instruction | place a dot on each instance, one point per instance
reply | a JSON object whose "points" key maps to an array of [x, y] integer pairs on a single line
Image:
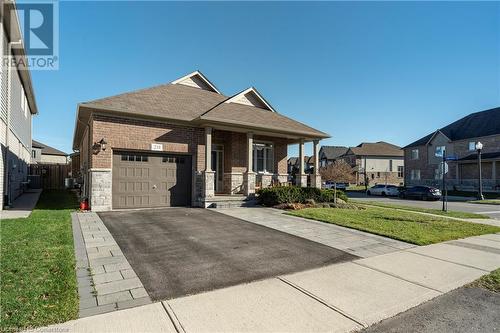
{"points": [[380, 148], [333, 152], [475, 125], [47, 150]]}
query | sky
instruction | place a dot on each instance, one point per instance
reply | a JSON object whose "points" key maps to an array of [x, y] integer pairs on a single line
{"points": [[360, 71]]}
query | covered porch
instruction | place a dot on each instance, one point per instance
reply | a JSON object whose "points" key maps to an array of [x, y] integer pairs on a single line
{"points": [[240, 162]]}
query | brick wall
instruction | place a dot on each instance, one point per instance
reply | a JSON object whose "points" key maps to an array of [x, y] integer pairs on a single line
{"points": [[122, 133]]}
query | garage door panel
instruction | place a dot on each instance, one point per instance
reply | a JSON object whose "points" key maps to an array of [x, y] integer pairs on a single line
{"points": [[141, 180]]}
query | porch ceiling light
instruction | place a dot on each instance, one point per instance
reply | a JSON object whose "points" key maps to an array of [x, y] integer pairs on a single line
{"points": [[479, 145]]}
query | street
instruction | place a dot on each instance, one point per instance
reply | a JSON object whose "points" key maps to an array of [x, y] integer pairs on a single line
{"points": [[492, 211]]}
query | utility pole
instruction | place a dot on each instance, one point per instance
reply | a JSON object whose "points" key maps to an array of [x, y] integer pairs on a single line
{"points": [[444, 193]]}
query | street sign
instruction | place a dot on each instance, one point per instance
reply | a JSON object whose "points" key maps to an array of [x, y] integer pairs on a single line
{"points": [[445, 167]]}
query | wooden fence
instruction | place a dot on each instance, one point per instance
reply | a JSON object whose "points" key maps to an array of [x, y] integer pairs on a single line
{"points": [[48, 176]]}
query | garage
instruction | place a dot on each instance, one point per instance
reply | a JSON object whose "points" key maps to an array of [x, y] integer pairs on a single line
{"points": [[145, 180]]}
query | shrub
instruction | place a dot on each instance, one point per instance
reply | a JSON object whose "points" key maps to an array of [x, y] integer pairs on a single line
{"points": [[272, 196]]}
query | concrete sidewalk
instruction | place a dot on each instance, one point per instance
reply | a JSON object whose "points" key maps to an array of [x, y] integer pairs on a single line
{"points": [[337, 298], [22, 206]]}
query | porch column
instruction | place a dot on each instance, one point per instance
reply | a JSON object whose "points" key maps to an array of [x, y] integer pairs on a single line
{"points": [[249, 176], [208, 174], [301, 177], [316, 177]]}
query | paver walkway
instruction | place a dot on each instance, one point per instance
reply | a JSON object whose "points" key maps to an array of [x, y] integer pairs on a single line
{"points": [[22, 206], [359, 243], [337, 298], [106, 281]]}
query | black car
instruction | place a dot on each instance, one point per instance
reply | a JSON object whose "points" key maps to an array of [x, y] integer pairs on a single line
{"points": [[421, 192]]}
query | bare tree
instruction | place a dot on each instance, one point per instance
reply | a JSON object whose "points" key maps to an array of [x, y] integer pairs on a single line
{"points": [[338, 172]]}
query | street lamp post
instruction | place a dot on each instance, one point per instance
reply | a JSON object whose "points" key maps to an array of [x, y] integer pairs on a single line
{"points": [[479, 147]]}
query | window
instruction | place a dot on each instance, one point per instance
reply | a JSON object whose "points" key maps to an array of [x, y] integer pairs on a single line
{"points": [[440, 151], [400, 171], [414, 154], [263, 157], [378, 174], [390, 165], [24, 103], [33, 153], [136, 158], [415, 175], [173, 159], [472, 145]]}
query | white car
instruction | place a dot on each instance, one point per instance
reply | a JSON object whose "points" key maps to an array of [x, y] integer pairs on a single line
{"points": [[332, 185], [383, 190]]}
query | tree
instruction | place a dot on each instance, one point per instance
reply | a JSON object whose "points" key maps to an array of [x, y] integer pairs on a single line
{"points": [[338, 172]]}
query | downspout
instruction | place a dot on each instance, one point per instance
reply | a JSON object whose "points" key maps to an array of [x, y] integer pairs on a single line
{"points": [[88, 154]]}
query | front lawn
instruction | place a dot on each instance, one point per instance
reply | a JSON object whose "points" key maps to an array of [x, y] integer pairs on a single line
{"points": [[486, 202], [490, 281], [38, 281], [406, 226], [450, 213]]}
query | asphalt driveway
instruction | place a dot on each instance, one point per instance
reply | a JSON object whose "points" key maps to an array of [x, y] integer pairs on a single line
{"points": [[182, 251]]}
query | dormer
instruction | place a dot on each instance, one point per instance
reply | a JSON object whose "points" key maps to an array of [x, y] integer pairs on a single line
{"points": [[196, 80], [251, 97]]}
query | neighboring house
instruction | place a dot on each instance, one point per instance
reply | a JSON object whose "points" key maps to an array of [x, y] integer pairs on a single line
{"points": [[43, 154], [329, 154], [294, 166], [17, 106], [458, 139], [376, 163], [182, 143]]}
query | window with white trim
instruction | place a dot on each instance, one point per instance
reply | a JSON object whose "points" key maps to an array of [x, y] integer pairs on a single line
{"points": [[472, 145], [414, 154], [24, 102], [440, 151], [400, 171], [263, 157], [415, 174]]}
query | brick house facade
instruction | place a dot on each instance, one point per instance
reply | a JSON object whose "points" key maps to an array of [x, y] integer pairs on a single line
{"points": [[221, 146], [458, 140]]}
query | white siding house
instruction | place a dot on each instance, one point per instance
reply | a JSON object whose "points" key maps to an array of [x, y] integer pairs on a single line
{"points": [[17, 107]]}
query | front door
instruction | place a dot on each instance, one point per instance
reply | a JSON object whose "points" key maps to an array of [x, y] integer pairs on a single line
{"points": [[218, 167]]}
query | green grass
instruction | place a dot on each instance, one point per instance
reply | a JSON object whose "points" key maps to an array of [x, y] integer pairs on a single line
{"points": [[406, 226], [356, 188], [38, 281], [450, 213], [490, 281], [487, 195], [486, 202]]}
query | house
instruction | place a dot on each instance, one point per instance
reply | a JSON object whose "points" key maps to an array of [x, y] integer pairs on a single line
{"points": [[329, 154], [376, 163], [184, 143], [17, 107], [294, 166], [44, 154], [458, 139]]}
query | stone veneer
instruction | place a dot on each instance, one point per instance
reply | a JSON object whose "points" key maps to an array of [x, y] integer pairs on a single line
{"points": [[301, 180], [100, 189], [233, 183]]}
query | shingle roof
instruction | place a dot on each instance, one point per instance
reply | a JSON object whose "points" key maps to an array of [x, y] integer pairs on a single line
{"points": [[172, 101], [190, 104], [484, 156], [475, 125], [246, 115], [293, 160], [47, 150], [380, 148], [333, 152]]}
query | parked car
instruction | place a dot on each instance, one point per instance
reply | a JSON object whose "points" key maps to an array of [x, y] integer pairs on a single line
{"points": [[339, 186], [421, 193], [383, 190]]}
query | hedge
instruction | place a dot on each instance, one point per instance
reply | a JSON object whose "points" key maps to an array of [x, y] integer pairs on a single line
{"points": [[272, 196]]}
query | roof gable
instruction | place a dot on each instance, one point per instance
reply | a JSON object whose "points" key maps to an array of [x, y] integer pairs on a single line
{"points": [[251, 97], [196, 80], [380, 148], [332, 152], [47, 150]]}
